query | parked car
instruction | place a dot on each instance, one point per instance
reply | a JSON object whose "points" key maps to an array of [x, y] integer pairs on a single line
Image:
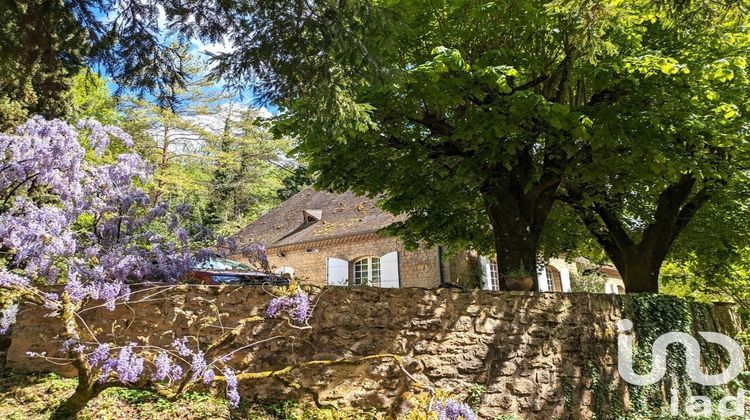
{"points": [[217, 270]]}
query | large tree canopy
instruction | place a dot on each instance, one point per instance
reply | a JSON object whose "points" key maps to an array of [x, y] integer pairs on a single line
{"points": [[672, 137], [473, 117], [470, 123]]}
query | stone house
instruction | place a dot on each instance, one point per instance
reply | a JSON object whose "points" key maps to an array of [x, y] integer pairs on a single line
{"points": [[334, 239]]}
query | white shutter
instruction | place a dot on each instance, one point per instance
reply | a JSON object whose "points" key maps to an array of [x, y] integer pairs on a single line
{"points": [[484, 264], [389, 270], [565, 279], [542, 280], [337, 272]]}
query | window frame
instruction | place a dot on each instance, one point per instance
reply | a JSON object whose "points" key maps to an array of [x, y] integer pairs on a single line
{"points": [[370, 271], [553, 276], [494, 276]]}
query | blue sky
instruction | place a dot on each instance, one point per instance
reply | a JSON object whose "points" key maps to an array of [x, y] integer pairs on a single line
{"points": [[199, 49]]}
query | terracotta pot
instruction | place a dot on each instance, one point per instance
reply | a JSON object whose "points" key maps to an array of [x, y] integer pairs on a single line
{"points": [[519, 283]]}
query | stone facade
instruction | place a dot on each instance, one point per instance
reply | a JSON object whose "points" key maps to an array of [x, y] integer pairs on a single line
{"points": [[535, 353], [418, 268], [318, 237]]}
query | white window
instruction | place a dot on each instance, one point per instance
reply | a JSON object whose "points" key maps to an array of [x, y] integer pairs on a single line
{"points": [[367, 272], [550, 280], [554, 280], [494, 277]]}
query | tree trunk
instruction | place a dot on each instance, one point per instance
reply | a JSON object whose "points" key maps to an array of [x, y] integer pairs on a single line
{"points": [[639, 263], [87, 388], [640, 275], [70, 408], [517, 220]]}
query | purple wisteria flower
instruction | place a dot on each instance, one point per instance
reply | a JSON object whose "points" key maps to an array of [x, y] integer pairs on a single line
{"points": [[106, 368], [129, 366], [180, 345], [72, 346], [10, 280], [454, 410], [208, 376], [198, 366], [8, 317], [45, 152], [96, 231], [232, 394], [297, 307], [40, 235], [99, 356], [177, 373], [100, 135], [162, 367], [43, 237]]}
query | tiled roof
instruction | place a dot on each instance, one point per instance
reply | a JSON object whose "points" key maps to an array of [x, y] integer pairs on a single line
{"points": [[341, 215]]}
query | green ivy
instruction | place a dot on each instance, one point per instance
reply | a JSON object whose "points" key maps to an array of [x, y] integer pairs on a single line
{"points": [[652, 316]]}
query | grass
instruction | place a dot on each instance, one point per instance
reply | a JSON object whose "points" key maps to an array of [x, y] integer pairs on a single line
{"points": [[35, 396]]}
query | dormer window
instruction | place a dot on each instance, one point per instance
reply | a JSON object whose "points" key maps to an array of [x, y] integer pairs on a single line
{"points": [[311, 216]]}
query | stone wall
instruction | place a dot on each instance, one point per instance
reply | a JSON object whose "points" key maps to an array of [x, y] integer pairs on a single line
{"points": [[536, 354]]}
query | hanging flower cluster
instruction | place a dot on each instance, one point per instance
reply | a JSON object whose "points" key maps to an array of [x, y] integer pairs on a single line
{"points": [[88, 226], [126, 365], [294, 302], [454, 410], [8, 317], [91, 228]]}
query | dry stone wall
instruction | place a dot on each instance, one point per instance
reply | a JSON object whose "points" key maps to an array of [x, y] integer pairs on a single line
{"points": [[535, 353]]}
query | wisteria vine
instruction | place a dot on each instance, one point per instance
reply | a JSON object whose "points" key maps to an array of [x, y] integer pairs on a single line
{"points": [[78, 220], [78, 230]]}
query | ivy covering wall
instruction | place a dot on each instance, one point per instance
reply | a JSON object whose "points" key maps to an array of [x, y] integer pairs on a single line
{"points": [[652, 316]]}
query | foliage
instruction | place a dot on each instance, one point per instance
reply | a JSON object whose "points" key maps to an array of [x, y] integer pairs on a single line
{"points": [[248, 166], [710, 260], [520, 272], [82, 234], [588, 282], [42, 47], [474, 397], [91, 99], [24, 396], [298, 179], [677, 280], [637, 202], [294, 302], [493, 107], [211, 152], [652, 316]]}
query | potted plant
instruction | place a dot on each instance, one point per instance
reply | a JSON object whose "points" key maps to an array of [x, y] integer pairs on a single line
{"points": [[519, 279]]}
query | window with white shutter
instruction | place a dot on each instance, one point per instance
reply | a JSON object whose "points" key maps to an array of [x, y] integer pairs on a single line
{"points": [[485, 265], [565, 279], [542, 280], [389, 276], [337, 272], [367, 272]]}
